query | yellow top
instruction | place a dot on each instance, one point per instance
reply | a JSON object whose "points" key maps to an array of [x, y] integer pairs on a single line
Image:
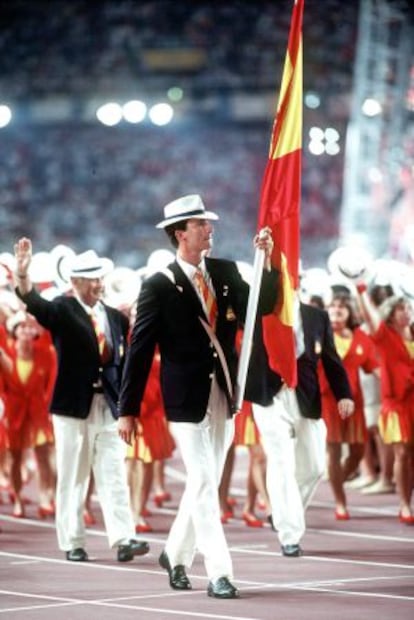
{"points": [[342, 345], [24, 369]]}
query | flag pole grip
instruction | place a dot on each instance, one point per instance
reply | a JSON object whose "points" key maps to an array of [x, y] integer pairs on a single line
{"points": [[249, 324]]}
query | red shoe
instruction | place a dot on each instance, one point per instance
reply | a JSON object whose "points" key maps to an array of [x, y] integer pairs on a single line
{"points": [[226, 515], [88, 518], [142, 528], [342, 516], [407, 519], [251, 521], [45, 511], [160, 498]]}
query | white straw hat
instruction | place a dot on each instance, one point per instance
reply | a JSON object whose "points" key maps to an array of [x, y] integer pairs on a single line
{"points": [[184, 208], [351, 262], [90, 265]]}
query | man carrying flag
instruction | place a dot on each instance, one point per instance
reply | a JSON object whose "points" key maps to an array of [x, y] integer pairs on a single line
{"points": [[282, 381]]}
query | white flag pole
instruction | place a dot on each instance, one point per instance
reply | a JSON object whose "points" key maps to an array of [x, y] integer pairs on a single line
{"points": [[249, 324]]}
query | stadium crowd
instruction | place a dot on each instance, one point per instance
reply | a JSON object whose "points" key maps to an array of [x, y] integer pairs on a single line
{"points": [[91, 186], [89, 47]]}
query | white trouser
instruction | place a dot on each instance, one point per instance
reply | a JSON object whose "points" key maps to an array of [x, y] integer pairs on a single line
{"points": [[198, 526], [295, 451], [82, 446]]}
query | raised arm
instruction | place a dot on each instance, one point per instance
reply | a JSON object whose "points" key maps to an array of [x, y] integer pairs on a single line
{"points": [[23, 254], [368, 310]]}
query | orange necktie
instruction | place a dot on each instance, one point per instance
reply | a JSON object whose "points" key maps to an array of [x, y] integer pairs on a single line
{"points": [[207, 295], [100, 336]]}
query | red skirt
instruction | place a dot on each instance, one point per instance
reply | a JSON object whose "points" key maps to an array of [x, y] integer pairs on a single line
{"points": [[351, 430], [153, 442], [396, 422], [246, 432]]}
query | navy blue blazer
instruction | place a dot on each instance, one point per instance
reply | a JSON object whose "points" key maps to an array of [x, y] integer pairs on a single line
{"points": [[79, 364], [263, 383], [168, 316]]}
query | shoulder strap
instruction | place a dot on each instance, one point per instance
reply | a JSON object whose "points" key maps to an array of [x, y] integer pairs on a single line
{"points": [[220, 353]]}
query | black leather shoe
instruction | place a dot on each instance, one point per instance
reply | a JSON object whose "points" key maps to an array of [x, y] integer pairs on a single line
{"points": [[177, 574], [77, 555], [126, 553], [222, 588], [292, 551]]}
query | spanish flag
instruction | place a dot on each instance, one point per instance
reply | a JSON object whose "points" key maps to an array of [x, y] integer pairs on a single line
{"points": [[280, 203]]}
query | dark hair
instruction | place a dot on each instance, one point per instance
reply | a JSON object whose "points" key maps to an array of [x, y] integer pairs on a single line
{"points": [[340, 289], [317, 301], [379, 292], [347, 301], [172, 228]]}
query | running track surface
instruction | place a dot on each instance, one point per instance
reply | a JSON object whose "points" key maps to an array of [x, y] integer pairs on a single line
{"points": [[354, 570]]}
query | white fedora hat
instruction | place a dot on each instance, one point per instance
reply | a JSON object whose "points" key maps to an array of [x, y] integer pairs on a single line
{"points": [[62, 257], [351, 262], [185, 208], [90, 265]]}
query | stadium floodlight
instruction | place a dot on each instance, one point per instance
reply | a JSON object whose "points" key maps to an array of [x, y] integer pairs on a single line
{"points": [[331, 134], [316, 147], [161, 114], [371, 107], [5, 115], [316, 133], [109, 114], [134, 111], [175, 93], [312, 100], [332, 148]]}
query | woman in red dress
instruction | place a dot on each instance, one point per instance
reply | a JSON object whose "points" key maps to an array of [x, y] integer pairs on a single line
{"points": [[44, 448], [29, 381], [152, 445], [357, 352], [246, 434], [5, 366], [391, 328]]}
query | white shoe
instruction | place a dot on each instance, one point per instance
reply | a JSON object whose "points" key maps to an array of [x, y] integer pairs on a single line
{"points": [[360, 482], [378, 487]]}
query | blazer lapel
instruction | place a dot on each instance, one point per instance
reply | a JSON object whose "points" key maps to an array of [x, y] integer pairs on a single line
{"points": [[184, 286]]}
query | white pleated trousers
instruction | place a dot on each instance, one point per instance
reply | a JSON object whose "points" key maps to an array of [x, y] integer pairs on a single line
{"points": [[197, 525], [83, 446], [295, 452]]}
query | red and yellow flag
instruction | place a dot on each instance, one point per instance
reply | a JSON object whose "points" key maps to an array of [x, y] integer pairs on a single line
{"points": [[280, 202]]}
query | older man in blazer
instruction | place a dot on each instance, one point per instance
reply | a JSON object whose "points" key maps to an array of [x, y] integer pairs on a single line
{"points": [[90, 340], [194, 325], [289, 420]]}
